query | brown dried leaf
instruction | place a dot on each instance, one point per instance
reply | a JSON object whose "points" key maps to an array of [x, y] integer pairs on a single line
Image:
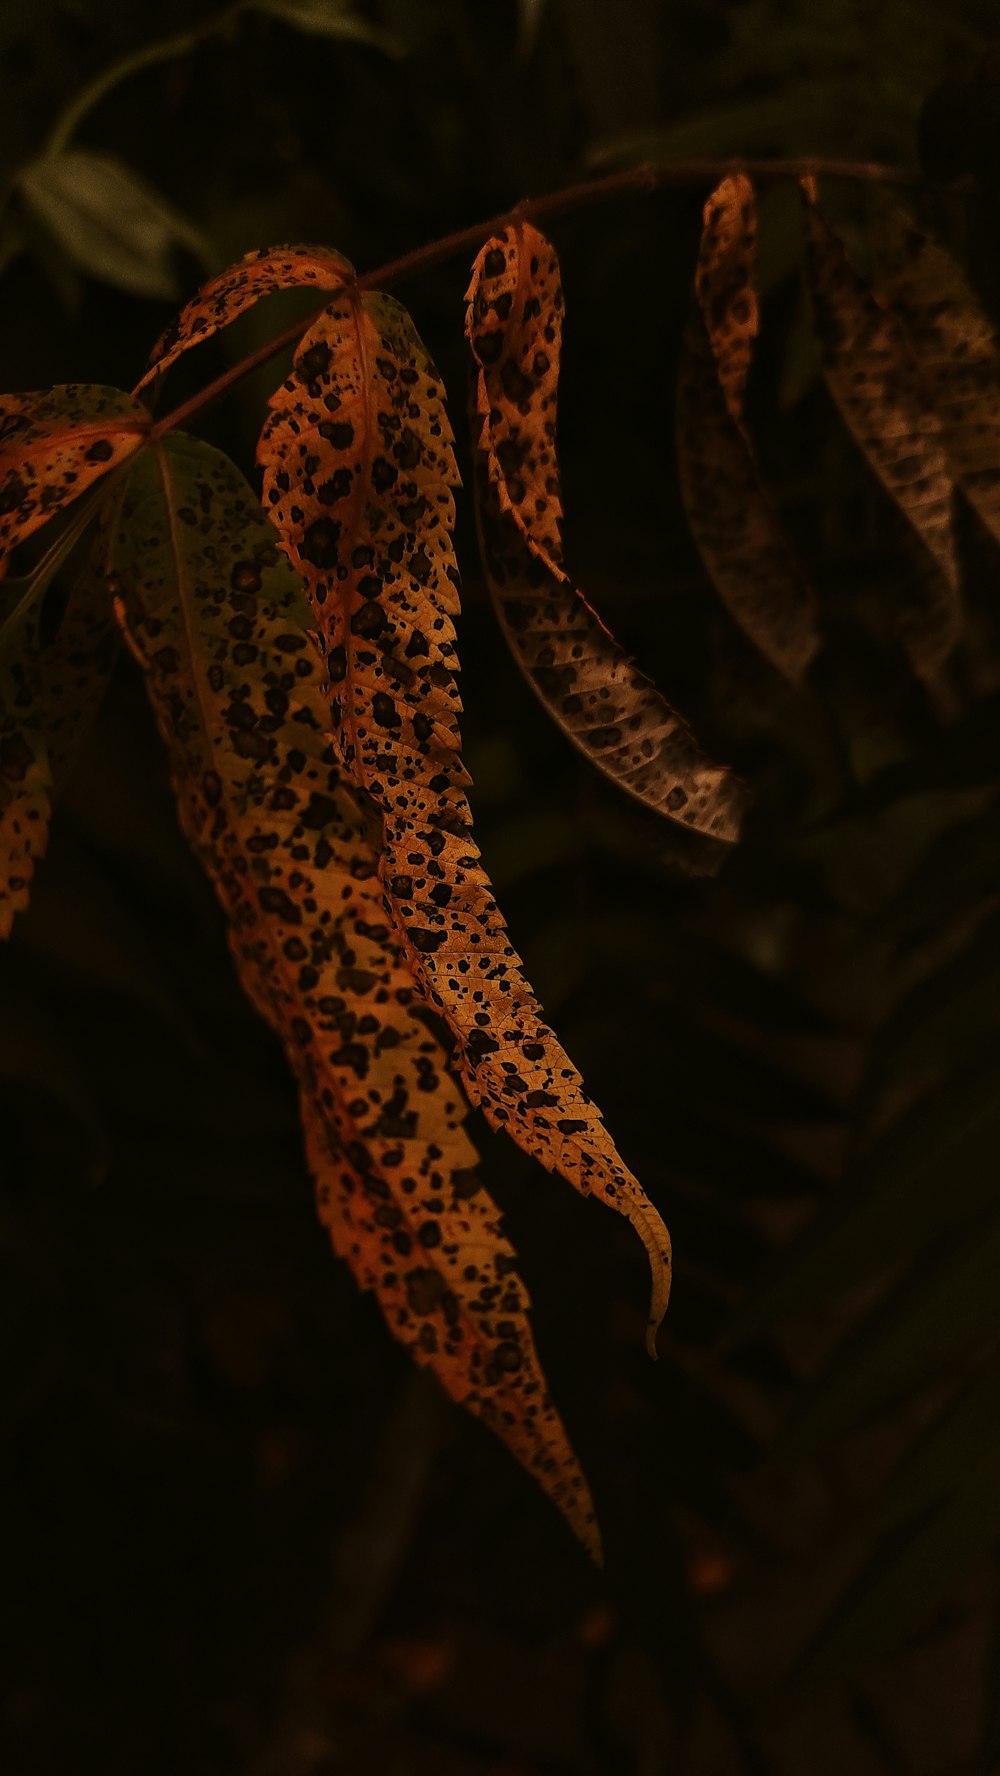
{"points": [[608, 708], [216, 617], [732, 518], [358, 475]]}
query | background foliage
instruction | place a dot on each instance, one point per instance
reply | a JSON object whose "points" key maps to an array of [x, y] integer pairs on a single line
{"points": [[240, 1534]]}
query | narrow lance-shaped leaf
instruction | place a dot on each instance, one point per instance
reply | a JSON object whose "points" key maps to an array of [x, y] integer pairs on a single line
{"points": [[732, 518], [604, 704], [216, 616], [870, 374], [224, 298], [50, 690], [54, 444], [955, 353], [359, 473]]}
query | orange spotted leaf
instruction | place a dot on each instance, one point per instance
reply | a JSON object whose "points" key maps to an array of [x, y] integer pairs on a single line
{"points": [[871, 375], [732, 518], [224, 298], [54, 444], [216, 616], [604, 704], [359, 474]]}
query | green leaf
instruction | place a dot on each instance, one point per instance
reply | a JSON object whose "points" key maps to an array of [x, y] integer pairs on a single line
{"points": [[110, 222], [330, 18]]}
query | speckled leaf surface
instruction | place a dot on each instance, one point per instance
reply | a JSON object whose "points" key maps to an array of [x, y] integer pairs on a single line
{"points": [[870, 374], [359, 475], [54, 444], [217, 618], [955, 352], [220, 301], [583, 678], [732, 518]]}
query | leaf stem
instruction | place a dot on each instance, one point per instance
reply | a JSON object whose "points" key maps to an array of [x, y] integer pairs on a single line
{"points": [[649, 177]]}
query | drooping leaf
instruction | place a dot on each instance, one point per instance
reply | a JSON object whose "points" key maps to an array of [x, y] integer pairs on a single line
{"points": [[359, 475], [604, 704], [871, 376], [50, 689], [110, 222], [217, 618], [219, 302], [732, 518], [56, 443], [955, 352]]}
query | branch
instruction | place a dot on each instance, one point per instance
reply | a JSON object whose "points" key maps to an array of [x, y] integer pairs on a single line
{"points": [[646, 178]]}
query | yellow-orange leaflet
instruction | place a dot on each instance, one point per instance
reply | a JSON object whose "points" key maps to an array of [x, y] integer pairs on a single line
{"points": [[217, 619], [359, 475]]}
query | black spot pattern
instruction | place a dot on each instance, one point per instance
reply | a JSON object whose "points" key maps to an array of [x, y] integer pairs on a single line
{"points": [[56, 443], [875, 383], [606, 706], [236, 289], [286, 842], [741, 542], [413, 773]]}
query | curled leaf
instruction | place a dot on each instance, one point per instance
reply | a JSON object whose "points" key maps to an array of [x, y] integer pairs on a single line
{"points": [[732, 518], [612, 713], [224, 298], [870, 374], [359, 475], [217, 618]]}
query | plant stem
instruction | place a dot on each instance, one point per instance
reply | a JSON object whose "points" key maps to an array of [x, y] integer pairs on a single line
{"points": [[648, 177], [165, 50]]}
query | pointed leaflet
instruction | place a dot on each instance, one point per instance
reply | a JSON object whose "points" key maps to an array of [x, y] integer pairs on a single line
{"points": [[955, 352], [732, 518], [870, 374], [606, 706], [56, 443], [359, 473], [49, 694], [224, 298], [216, 616]]}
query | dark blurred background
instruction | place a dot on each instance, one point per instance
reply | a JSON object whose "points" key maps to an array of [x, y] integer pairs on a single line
{"points": [[239, 1534]]}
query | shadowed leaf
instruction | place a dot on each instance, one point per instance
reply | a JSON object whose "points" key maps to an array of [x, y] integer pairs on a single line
{"points": [[110, 222], [359, 475], [732, 518], [604, 704], [870, 374]]}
